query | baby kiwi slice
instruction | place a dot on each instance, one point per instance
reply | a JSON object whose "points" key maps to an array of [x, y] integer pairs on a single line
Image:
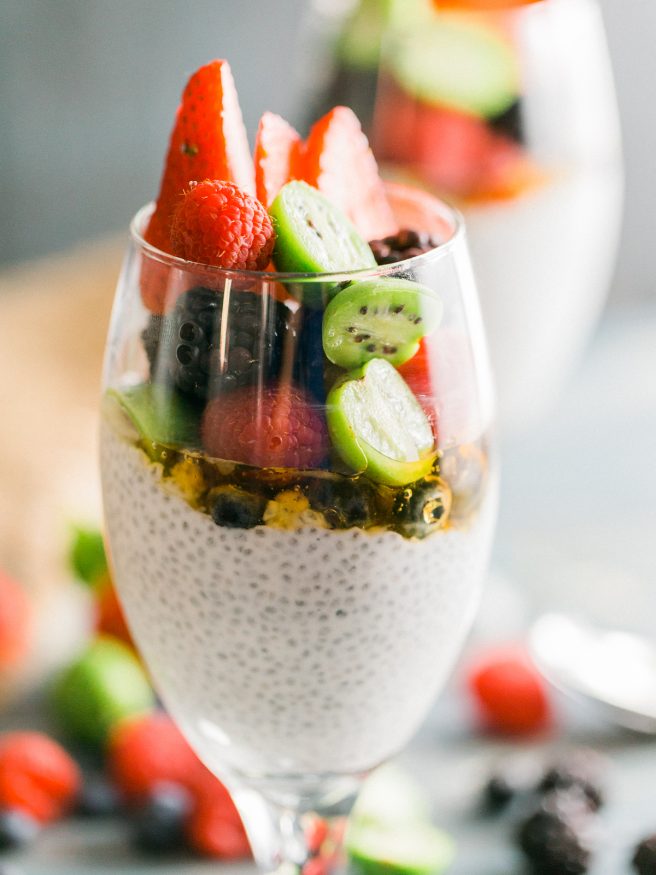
{"points": [[378, 427], [379, 318], [313, 235], [157, 413]]}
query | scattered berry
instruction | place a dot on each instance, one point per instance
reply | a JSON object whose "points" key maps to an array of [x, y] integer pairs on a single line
{"points": [[215, 828], [110, 619], [37, 776], [552, 845], [317, 866], [106, 684], [217, 223], [269, 428], [235, 508], [15, 621], [515, 777], [509, 692], [316, 833], [17, 829], [159, 827], [406, 243], [256, 331], [98, 798], [644, 859], [422, 508], [146, 751], [580, 771], [339, 162], [343, 502], [278, 149]]}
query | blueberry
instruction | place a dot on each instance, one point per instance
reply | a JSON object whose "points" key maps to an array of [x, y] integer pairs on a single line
{"points": [[98, 798], [343, 502], [235, 508], [17, 829], [422, 508], [159, 826], [644, 859]]}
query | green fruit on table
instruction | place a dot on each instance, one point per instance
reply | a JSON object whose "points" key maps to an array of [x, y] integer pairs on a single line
{"points": [[411, 849], [87, 556], [390, 797], [106, 684]]}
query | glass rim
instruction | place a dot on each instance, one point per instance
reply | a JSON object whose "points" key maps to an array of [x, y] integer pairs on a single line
{"points": [[445, 211]]}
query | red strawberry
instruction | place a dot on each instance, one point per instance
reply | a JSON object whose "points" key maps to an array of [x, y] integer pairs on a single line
{"points": [[278, 149], [36, 775], [269, 428], [211, 832], [145, 751], [216, 223], [15, 621], [208, 142], [509, 692], [110, 619], [339, 162]]}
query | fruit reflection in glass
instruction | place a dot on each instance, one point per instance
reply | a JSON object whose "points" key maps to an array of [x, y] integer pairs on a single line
{"points": [[299, 486]]}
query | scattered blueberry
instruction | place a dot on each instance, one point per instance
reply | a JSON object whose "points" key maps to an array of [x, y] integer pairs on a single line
{"points": [[159, 826], [99, 798], [235, 508], [17, 829], [644, 859]]}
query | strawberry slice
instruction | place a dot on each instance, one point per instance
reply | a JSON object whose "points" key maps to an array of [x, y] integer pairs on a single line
{"points": [[278, 150], [208, 142], [339, 162]]}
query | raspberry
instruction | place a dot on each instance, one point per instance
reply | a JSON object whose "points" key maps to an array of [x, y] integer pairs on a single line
{"points": [[15, 621], [37, 776], [145, 751], [509, 692], [278, 149], [268, 428], [217, 223]]}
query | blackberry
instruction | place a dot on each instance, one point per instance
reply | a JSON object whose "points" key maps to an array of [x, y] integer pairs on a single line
{"points": [[406, 243], [204, 359], [644, 859], [552, 845], [235, 508], [577, 771], [422, 508], [17, 829], [159, 826], [344, 503]]}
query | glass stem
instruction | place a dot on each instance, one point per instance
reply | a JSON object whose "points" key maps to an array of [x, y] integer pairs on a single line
{"points": [[292, 829]]}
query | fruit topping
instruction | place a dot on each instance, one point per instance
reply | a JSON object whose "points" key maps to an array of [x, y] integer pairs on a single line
{"points": [[510, 123], [314, 235], [459, 63], [383, 318], [509, 692], [344, 502], [644, 859], [106, 684], [37, 776], [208, 142], [217, 223], [218, 341], [422, 508], [159, 826], [235, 508], [157, 412], [275, 427], [290, 510], [339, 162], [406, 243], [15, 621], [17, 830], [278, 149], [378, 427]]}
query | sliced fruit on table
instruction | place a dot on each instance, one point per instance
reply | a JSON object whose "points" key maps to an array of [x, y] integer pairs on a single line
{"points": [[407, 849], [87, 556], [278, 148], [460, 63], [155, 412], [380, 318], [480, 5], [339, 162], [378, 427], [390, 797]]}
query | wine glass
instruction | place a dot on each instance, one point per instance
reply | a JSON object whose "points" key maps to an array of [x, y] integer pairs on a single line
{"points": [[297, 617], [507, 109]]}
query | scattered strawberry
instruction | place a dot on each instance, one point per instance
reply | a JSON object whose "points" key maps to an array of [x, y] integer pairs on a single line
{"points": [[278, 149], [509, 692], [216, 223], [215, 828], [15, 621], [110, 619], [269, 428], [37, 776], [147, 750], [339, 162], [316, 833], [208, 142], [316, 866]]}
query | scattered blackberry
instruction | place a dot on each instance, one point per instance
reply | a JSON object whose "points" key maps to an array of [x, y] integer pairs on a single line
{"points": [[498, 793], [644, 859], [514, 778], [579, 770], [344, 503], [552, 845], [236, 508], [98, 798], [193, 334], [405, 244], [17, 829], [423, 508], [159, 826], [510, 123]]}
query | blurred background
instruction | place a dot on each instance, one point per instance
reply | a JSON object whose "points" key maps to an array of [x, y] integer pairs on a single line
{"points": [[88, 90]]}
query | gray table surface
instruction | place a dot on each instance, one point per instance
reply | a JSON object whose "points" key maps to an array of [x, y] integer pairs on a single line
{"points": [[576, 532]]}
